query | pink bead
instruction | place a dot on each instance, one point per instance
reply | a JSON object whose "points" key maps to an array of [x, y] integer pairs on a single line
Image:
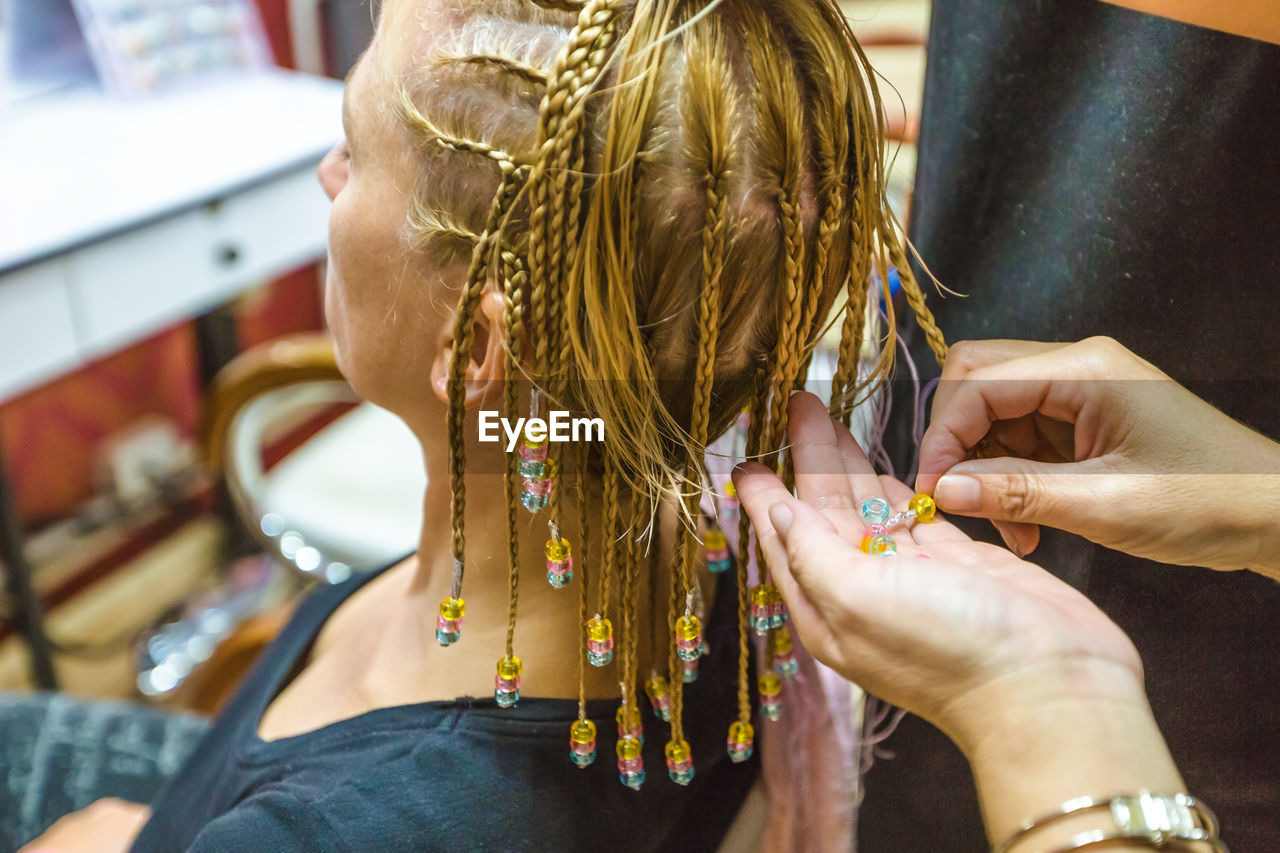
{"points": [[506, 685], [532, 454], [922, 555], [630, 765], [583, 748], [449, 626], [679, 766], [600, 646], [718, 554]]}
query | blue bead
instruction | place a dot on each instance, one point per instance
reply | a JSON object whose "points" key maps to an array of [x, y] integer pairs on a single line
{"points": [[599, 658], [718, 566], [505, 699], [760, 625], [447, 638], [531, 469], [740, 755], [559, 581], [632, 780], [582, 760], [875, 511], [681, 777]]}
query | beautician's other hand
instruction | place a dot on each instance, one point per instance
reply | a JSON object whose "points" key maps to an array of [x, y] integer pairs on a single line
{"points": [[1090, 438], [969, 639]]}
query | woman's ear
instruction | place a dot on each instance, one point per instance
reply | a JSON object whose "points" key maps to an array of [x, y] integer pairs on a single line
{"points": [[486, 367]]}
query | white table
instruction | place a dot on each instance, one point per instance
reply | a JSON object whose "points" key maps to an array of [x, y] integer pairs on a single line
{"points": [[119, 218]]}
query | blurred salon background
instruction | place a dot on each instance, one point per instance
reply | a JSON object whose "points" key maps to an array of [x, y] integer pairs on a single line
{"points": [[178, 455]]}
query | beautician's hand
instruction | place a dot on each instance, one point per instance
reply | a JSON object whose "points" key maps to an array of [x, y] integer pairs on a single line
{"points": [[1037, 686], [1088, 437]]}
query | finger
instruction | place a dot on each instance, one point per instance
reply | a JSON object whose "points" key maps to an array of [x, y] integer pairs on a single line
{"points": [[863, 481], [758, 489], [819, 467], [921, 532], [1018, 537], [1022, 490], [964, 357], [1039, 383]]}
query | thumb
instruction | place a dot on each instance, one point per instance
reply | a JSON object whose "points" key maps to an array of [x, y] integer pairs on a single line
{"points": [[816, 555], [1021, 490]]}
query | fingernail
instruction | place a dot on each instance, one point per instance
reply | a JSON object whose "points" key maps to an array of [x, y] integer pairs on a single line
{"points": [[958, 493], [780, 516]]}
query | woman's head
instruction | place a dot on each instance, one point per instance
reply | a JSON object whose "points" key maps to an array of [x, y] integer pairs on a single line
{"points": [[649, 208]]}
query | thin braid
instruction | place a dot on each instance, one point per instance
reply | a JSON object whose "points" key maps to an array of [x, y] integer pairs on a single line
{"points": [[849, 358], [561, 5], [787, 360], [513, 325], [463, 334], [612, 480], [419, 123], [915, 298], [584, 551]]}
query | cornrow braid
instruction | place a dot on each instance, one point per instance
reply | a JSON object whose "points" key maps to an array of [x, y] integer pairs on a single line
{"points": [[531, 73]]}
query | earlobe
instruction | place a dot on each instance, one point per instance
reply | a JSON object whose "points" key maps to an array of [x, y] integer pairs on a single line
{"points": [[486, 367]]}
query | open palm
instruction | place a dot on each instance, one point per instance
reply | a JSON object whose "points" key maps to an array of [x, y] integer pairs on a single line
{"points": [[927, 634]]}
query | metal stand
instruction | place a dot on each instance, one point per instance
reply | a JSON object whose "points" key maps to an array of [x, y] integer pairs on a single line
{"points": [[27, 615]]}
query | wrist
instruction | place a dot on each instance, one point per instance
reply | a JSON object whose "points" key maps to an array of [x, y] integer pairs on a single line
{"points": [[1042, 738]]}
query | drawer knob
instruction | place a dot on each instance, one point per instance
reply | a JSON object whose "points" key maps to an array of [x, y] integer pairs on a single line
{"points": [[227, 254]]}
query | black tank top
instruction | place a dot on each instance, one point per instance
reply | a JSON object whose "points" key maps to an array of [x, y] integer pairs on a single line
{"points": [[449, 776]]}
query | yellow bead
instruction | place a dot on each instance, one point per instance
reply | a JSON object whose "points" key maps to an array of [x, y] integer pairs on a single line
{"points": [[770, 684], [780, 641], [688, 627], [453, 609], [656, 687], [558, 551], [678, 750], [715, 540], [628, 748], [510, 668], [550, 469], [628, 717], [599, 629], [923, 506], [583, 731], [729, 490], [761, 596], [740, 732]]}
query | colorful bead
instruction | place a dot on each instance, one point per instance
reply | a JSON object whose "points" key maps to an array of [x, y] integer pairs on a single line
{"points": [[507, 682], [871, 532], [770, 687], [875, 511], [689, 671], [882, 545], [784, 657], [761, 608], [924, 507], [629, 724], [535, 492], [741, 743], [679, 762], [559, 562], [532, 456], [630, 762], [717, 550], [599, 641], [688, 637], [582, 743], [778, 613], [729, 506], [449, 622], [658, 691]]}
